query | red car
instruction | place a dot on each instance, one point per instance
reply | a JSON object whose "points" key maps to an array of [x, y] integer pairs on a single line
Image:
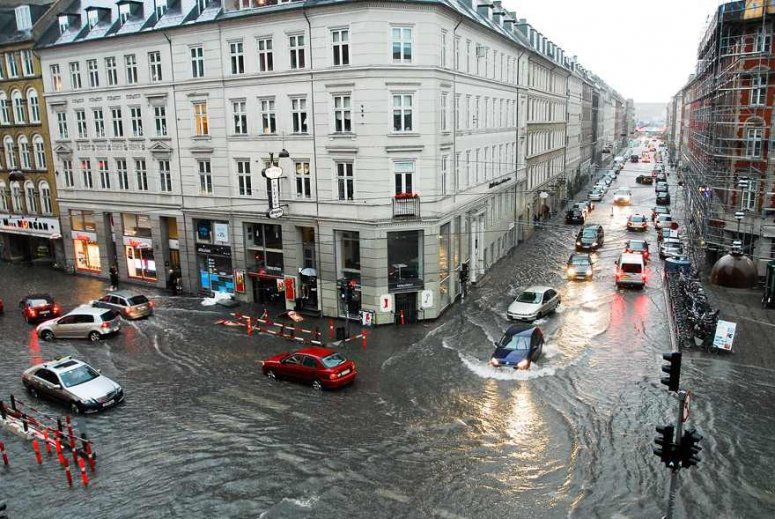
{"points": [[2, 308], [39, 307], [321, 367]]}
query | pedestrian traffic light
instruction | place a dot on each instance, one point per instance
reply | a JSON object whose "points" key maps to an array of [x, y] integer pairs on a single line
{"points": [[673, 369], [666, 447], [689, 450]]}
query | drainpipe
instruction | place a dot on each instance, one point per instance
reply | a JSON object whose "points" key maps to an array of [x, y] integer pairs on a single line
{"points": [[455, 125]]}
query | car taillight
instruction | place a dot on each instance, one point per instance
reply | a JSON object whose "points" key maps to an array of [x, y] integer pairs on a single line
{"points": [[618, 274], [150, 304], [333, 376], [32, 312], [55, 309], [643, 277], [105, 324]]}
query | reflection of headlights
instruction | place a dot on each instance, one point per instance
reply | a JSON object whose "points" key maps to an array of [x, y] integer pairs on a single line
{"points": [[578, 242], [494, 362], [523, 364], [571, 271]]}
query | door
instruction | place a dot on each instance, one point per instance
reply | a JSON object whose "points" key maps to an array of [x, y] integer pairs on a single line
{"points": [[65, 327], [406, 303], [308, 369], [291, 367], [83, 325]]}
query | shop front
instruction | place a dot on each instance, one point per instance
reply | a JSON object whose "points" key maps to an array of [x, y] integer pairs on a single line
{"points": [[213, 256], [86, 249], [405, 272], [265, 263], [29, 238], [140, 262], [349, 272]]}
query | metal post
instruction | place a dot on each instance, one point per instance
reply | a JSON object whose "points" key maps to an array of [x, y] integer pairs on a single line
{"points": [[677, 467]]}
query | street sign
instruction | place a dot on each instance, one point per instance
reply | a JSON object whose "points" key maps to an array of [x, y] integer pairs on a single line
{"points": [[275, 212], [426, 299], [386, 303], [273, 172], [687, 404]]}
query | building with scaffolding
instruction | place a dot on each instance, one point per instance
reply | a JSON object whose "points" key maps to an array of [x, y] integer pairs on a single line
{"points": [[724, 134]]}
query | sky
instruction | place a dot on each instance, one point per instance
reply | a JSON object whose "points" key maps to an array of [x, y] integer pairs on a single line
{"points": [[644, 49]]}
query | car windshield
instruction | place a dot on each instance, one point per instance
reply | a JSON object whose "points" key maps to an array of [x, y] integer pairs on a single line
{"points": [[637, 245], [580, 260], [529, 297], [637, 218], [38, 302], [515, 342], [78, 375], [622, 193], [138, 300], [333, 360], [589, 233]]}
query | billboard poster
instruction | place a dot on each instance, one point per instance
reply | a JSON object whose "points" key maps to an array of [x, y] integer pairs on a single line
{"points": [[725, 335]]}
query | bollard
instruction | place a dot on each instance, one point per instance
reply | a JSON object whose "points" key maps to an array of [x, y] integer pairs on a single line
{"points": [[36, 448], [363, 340], [24, 423], [331, 328], [59, 424], [67, 472], [317, 333], [249, 324], [2, 410], [13, 403], [46, 442], [402, 317], [84, 475], [3, 454], [293, 332], [69, 422], [282, 330], [87, 449]]}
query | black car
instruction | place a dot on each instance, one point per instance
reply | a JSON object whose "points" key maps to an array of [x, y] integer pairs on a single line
{"points": [[634, 158], [590, 237], [39, 307], [518, 347], [574, 216], [663, 198], [646, 180]]}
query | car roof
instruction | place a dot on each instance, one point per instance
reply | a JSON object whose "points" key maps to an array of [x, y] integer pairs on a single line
{"points": [[627, 256], [580, 254], [87, 309], [60, 365], [38, 296], [316, 352], [126, 294], [521, 329], [537, 288]]}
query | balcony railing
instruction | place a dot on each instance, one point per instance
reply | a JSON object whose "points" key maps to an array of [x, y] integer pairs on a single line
{"points": [[406, 207]]}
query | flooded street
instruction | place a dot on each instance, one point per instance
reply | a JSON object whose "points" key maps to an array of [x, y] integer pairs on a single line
{"points": [[429, 429]]}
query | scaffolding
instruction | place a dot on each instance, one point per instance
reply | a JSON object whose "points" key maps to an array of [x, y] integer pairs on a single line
{"points": [[727, 123]]}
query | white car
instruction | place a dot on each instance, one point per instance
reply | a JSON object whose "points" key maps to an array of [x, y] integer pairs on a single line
{"points": [[623, 196], [596, 196], [533, 303]]}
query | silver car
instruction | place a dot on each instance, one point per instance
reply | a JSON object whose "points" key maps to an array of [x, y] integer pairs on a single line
{"points": [[73, 383], [85, 322], [129, 304]]}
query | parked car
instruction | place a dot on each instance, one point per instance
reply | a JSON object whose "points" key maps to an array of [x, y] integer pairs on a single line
{"points": [[320, 367], [37, 307], [533, 303], [661, 187], [84, 322], [666, 232], [644, 179], [657, 210], [129, 305], [596, 195], [663, 198], [630, 270], [670, 248], [638, 247], [637, 222], [582, 206], [579, 267], [2, 306], [73, 383], [519, 347], [663, 220], [634, 158], [574, 216], [590, 238]]}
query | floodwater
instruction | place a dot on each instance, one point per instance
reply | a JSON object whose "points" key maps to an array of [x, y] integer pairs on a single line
{"points": [[428, 430]]}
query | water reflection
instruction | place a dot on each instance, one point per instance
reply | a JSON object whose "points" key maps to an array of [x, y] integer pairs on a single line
{"points": [[33, 345]]}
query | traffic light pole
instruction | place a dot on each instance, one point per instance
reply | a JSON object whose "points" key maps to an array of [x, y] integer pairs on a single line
{"points": [[674, 472]]}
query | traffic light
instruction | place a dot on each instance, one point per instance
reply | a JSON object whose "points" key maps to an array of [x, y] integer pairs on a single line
{"points": [[673, 369], [689, 450], [666, 447]]}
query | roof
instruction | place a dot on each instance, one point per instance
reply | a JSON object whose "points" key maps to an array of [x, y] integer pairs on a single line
{"points": [[9, 33]]}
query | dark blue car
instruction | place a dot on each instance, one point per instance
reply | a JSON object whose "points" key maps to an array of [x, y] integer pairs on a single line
{"points": [[519, 347]]}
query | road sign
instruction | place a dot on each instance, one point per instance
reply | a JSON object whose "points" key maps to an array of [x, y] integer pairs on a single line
{"points": [[275, 212], [687, 403]]}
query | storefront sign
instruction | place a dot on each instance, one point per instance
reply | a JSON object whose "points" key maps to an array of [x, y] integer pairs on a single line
{"points": [[239, 281], [275, 212], [367, 317], [221, 233], [725, 335], [138, 243], [426, 299], [174, 244], [88, 237], [213, 250], [290, 285], [386, 303], [273, 173], [406, 284], [31, 226], [203, 230]]}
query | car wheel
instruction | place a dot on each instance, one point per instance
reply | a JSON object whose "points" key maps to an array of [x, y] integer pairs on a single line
{"points": [[271, 374], [47, 335], [32, 391], [75, 408], [317, 385], [94, 336]]}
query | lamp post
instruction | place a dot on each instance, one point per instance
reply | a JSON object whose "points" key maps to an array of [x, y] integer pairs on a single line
{"points": [[739, 215]]}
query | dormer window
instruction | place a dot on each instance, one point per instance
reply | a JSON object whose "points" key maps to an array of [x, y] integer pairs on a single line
{"points": [[161, 8], [23, 18], [64, 23], [123, 13], [201, 5], [93, 17]]}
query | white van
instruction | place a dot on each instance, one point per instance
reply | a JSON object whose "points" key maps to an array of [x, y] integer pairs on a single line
{"points": [[630, 270]]}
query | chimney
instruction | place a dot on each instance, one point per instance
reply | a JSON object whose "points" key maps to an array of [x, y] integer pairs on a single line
{"points": [[510, 21], [484, 8], [523, 27], [497, 12]]}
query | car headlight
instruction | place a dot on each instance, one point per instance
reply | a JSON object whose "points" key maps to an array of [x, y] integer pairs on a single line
{"points": [[89, 401], [571, 271], [494, 362], [594, 244], [578, 242], [523, 364]]}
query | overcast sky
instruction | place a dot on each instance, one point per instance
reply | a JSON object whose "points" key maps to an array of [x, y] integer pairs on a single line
{"points": [[644, 49]]}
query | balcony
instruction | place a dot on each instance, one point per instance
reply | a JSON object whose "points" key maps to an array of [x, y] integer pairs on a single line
{"points": [[406, 206]]}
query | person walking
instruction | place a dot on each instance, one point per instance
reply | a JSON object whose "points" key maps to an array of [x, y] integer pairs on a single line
{"points": [[113, 278]]}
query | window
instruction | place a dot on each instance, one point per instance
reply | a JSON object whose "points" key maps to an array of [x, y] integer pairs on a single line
{"points": [[205, 178], [402, 112], [136, 117], [86, 175], [758, 89], [102, 169], [200, 119], [344, 179], [340, 40], [197, 62], [402, 44], [457, 52], [268, 124], [40, 152], [403, 171], [10, 62], [122, 174], [443, 44], [80, 119], [18, 107], [299, 114], [748, 195], [67, 173], [753, 142], [265, 58], [444, 174], [458, 122], [130, 64], [444, 112], [23, 18], [161, 8], [110, 70], [56, 78], [237, 58], [10, 157], [5, 115], [94, 76], [763, 40], [16, 197], [303, 180], [24, 153], [28, 67], [240, 117], [99, 124], [118, 123], [92, 17], [75, 75], [296, 44], [244, 180], [154, 63], [64, 24], [141, 174], [160, 120], [33, 105], [468, 56], [165, 177], [201, 5], [29, 191], [45, 198], [342, 122]]}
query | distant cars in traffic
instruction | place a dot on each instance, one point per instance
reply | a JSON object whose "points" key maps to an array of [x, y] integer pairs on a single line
{"points": [[663, 198], [622, 196], [320, 367], [533, 303], [590, 238], [579, 267], [574, 216], [638, 247], [38, 307], [644, 179], [519, 347], [129, 305], [637, 222], [84, 322], [630, 271]]}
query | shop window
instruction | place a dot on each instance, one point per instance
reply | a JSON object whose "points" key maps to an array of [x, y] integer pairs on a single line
{"points": [[82, 221], [138, 225], [405, 262]]}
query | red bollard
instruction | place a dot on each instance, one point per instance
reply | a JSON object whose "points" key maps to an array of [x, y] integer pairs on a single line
{"points": [[36, 448], [2, 452], [86, 445], [363, 340], [282, 330], [331, 328], [68, 473], [46, 442], [317, 333], [84, 475], [249, 324], [69, 422], [402, 317]]}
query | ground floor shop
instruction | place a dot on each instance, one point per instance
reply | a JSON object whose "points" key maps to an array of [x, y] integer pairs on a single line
{"points": [[31, 239]]}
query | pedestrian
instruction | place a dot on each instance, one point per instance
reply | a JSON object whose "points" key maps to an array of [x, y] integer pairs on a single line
{"points": [[114, 278], [171, 281]]}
